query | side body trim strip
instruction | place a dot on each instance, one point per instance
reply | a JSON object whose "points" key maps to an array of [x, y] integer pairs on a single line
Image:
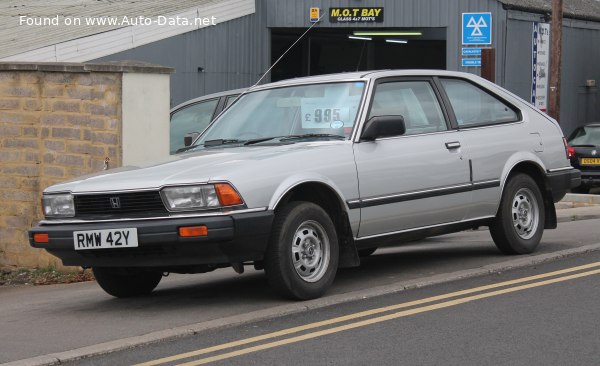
{"points": [[416, 195], [421, 228]]}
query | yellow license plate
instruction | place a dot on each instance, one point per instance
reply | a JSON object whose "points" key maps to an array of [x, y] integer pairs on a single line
{"points": [[590, 161]]}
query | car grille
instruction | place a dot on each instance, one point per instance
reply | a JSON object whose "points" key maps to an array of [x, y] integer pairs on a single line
{"points": [[136, 204]]}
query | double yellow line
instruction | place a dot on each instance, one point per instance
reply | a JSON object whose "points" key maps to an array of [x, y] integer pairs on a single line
{"points": [[416, 307]]}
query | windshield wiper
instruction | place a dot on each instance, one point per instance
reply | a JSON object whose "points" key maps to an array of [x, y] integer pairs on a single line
{"points": [[312, 135], [219, 142], [259, 140]]}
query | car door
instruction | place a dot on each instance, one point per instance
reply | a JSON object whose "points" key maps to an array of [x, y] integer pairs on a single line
{"points": [[418, 179], [494, 130]]}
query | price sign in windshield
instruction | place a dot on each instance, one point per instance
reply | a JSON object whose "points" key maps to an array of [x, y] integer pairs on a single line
{"points": [[319, 116]]}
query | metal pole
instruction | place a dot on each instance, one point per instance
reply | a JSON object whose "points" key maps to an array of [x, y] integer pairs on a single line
{"points": [[488, 64], [555, 58]]}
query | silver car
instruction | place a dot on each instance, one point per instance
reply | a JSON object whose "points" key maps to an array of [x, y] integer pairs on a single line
{"points": [[303, 176]]}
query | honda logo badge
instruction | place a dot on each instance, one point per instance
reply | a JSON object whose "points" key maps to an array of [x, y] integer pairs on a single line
{"points": [[115, 202], [594, 152]]}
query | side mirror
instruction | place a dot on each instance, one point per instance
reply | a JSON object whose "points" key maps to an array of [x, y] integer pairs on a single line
{"points": [[189, 138], [383, 126]]}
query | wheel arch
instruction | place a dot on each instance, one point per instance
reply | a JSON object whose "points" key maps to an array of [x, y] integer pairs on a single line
{"points": [[330, 199], [533, 167]]}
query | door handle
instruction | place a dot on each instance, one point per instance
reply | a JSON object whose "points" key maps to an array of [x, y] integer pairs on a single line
{"points": [[452, 145]]}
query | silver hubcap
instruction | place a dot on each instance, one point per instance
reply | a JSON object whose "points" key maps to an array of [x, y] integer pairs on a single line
{"points": [[525, 215], [310, 251]]}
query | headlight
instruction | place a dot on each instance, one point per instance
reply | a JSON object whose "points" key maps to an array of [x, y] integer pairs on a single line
{"points": [[200, 197], [58, 205]]}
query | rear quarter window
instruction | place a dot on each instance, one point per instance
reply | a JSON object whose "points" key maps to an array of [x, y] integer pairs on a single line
{"points": [[474, 106]]}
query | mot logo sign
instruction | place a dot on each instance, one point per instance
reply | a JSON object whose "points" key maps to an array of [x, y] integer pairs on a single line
{"points": [[476, 28]]}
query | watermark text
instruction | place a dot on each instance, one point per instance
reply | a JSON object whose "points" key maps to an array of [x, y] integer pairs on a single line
{"points": [[121, 21]]}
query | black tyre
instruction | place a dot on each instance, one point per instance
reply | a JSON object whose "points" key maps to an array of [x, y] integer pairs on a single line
{"points": [[519, 223], [126, 282], [366, 252], [302, 255]]}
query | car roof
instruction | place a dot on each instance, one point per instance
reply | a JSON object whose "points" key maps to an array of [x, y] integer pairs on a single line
{"points": [[207, 97], [362, 75], [344, 76]]}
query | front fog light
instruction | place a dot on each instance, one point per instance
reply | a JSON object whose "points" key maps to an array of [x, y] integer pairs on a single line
{"points": [[60, 205]]}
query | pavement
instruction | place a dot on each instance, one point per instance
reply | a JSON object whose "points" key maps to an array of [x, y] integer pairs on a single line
{"points": [[59, 319], [578, 207]]}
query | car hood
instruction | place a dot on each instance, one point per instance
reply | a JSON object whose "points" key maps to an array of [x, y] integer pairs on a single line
{"points": [[188, 168]]}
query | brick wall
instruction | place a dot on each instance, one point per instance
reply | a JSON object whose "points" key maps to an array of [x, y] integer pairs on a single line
{"points": [[57, 121]]}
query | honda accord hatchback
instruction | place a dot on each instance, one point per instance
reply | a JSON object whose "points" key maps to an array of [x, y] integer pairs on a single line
{"points": [[298, 176]]}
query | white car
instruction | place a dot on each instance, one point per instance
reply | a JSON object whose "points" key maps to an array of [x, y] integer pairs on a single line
{"points": [[298, 177]]}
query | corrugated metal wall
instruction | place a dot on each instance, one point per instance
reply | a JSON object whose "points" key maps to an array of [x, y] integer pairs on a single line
{"points": [[580, 62], [400, 14], [235, 53], [231, 55]]}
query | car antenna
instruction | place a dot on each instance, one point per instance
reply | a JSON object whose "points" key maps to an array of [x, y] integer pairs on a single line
{"points": [[280, 58], [362, 50], [286, 51], [265, 73]]}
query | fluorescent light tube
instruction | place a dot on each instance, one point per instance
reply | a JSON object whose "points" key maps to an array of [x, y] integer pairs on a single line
{"points": [[362, 38], [383, 33]]}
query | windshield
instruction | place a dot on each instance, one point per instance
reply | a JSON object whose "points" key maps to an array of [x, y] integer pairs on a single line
{"points": [[311, 110], [585, 136]]}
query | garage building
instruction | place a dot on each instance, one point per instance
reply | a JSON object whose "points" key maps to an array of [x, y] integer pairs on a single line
{"points": [[250, 35]]}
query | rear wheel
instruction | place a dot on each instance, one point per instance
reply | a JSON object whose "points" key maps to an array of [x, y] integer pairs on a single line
{"points": [[302, 255], [121, 282], [519, 223]]}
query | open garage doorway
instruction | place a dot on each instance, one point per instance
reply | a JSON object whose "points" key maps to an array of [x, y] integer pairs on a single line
{"points": [[330, 50]]}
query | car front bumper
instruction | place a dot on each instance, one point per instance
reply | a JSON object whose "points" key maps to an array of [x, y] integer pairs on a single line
{"points": [[231, 239]]}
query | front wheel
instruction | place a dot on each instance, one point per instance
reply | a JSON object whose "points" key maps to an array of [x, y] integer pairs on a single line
{"points": [[302, 255], [120, 282], [519, 223]]}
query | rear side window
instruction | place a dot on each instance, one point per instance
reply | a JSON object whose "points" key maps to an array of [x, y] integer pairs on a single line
{"points": [[415, 101], [473, 106], [193, 118], [230, 99]]}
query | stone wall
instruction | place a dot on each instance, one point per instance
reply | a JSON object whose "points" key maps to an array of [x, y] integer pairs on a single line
{"points": [[57, 122]]}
